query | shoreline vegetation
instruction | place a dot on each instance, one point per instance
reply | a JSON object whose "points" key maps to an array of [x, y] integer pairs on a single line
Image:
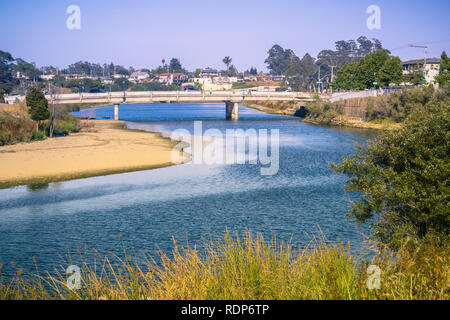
{"points": [[247, 267], [101, 147], [284, 108], [379, 113]]}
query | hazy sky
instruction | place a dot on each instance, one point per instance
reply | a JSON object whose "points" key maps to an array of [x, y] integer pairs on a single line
{"points": [[201, 32]]}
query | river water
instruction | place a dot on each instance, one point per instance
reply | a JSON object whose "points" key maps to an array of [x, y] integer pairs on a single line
{"points": [[185, 202]]}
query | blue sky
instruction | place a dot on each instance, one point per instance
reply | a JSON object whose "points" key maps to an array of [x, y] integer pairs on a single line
{"points": [[201, 32]]}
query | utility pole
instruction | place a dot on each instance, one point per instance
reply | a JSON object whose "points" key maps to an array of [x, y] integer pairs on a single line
{"points": [[424, 60], [318, 80], [332, 73]]}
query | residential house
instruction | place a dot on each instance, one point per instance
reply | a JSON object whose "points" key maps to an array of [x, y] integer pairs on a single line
{"points": [[264, 77], [47, 76], [278, 77], [221, 83], [209, 73], [432, 68], [120, 76], [250, 77], [171, 78], [75, 76], [138, 76]]}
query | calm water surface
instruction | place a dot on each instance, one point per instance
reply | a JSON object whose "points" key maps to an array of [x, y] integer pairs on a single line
{"points": [[150, 208]]}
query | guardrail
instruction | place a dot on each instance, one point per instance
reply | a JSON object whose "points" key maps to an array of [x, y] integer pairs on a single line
{"points": [[361, 94], [175, 96]]}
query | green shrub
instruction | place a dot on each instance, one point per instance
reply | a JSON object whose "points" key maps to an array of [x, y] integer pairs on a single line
{"points": [[38, 135], [63, 127], [5, 137], [396, 107], [403, 177]]}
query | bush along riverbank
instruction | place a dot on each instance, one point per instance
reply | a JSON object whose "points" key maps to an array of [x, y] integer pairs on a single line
{"points": [[17, 125], [385, 113]]}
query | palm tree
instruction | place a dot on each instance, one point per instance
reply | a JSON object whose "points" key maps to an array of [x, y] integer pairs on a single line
{"points": [[227, 60]]}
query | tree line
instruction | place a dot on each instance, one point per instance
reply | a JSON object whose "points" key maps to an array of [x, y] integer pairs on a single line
{"points": [[354, 64]]}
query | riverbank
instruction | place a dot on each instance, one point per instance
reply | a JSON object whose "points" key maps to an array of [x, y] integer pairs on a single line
{"points": [[381, 113], [101, 147], [284, 108], [376, 125]]}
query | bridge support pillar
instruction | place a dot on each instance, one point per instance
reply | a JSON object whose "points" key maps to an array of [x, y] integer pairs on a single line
{"points": [[116, 112], [232, 110]]}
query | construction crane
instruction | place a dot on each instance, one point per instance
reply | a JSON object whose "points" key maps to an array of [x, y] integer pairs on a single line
{"points": [[424, 60]]}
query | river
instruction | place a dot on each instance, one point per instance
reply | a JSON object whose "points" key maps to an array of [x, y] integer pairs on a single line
{"points": [[185, 202]]}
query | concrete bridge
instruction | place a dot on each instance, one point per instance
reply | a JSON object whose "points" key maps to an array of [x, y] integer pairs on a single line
{"points": [[230, 98]]}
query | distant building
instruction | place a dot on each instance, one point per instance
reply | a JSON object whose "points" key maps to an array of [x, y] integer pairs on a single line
{"points": [[77, 76], [250, 77], [120, 76], [276, 77], [20, 75], [209, 73], [138, 76], [264, 77], [107, 81], [216, 83], [171, 78], [431, 68], [13, 98], [47, 76]]}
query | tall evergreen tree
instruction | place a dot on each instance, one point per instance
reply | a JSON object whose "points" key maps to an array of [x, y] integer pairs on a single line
{"points": [[444, 74], [175, 66], [38, 105]]}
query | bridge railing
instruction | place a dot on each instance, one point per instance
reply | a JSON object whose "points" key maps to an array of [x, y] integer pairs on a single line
{"points": [[117, 96]]}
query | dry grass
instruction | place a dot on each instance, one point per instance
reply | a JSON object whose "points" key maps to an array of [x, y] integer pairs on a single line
{"points": [[249, 268], [273, 107], [15, 124], [18, 109]]}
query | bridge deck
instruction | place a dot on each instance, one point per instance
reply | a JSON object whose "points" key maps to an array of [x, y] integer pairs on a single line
{"points": [[177, 96]]}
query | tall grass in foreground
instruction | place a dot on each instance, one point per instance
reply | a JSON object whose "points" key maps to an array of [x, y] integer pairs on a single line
{"points": [[248, 267]]}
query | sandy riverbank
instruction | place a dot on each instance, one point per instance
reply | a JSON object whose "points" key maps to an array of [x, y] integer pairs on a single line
{"points": [[102, 147], [259, 107]]}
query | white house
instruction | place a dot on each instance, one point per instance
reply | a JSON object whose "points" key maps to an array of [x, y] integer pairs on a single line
{"points": [[13, 99], [47, 76], [216, 83], [432, 68], [138, 76], [171, 78]]}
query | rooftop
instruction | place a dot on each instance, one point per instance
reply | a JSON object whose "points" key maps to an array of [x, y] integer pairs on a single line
{"points": [[419, 61]]}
